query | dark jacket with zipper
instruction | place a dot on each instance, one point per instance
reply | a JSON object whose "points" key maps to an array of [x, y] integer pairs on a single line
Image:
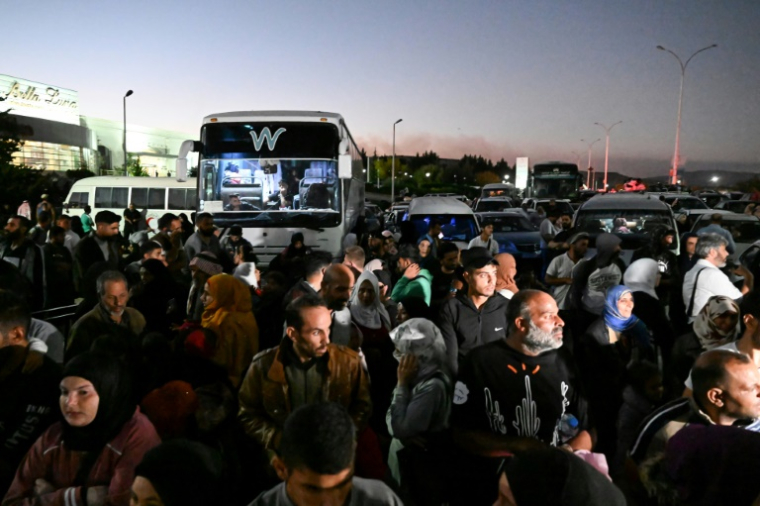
{"points": [[464, 326]]}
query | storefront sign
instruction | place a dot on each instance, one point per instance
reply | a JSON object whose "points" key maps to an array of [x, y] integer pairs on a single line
{"points": [[29, 98], [521, 172]]}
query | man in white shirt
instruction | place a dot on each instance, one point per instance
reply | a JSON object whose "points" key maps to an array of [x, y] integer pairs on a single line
{"points": [[706, 279], [559, 275], [485, 239]]}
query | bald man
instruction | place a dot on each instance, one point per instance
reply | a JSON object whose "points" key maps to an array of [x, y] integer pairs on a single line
{"points": [[526, 383], [336, 288], [505, 275]]}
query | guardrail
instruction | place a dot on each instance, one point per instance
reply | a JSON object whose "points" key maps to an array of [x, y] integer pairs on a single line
{"points": [[61, 317]]}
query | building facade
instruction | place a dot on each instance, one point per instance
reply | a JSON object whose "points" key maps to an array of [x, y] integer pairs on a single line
{"points": [[58, 138]]}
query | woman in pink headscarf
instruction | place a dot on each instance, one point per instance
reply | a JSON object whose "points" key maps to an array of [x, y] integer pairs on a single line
{"points": [[505, 275]]}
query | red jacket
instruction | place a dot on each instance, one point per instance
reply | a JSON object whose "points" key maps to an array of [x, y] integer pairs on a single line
{"points": [[50, 460]]}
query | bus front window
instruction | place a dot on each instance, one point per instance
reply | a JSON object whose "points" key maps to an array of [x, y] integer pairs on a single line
{"points": [[280, 185]]}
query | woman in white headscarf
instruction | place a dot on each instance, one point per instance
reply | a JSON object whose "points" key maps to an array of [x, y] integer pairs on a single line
{"points": [[642, 277], [717, 324], [419, 412], [369, 314]]}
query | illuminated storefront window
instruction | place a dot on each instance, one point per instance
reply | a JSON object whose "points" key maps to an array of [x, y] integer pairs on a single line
{"points": [[47, 156]]}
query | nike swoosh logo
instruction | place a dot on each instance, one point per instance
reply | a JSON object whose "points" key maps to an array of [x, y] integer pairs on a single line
{"points": [[498, 329]]}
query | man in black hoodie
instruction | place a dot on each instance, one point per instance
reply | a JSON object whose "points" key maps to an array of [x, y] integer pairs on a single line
{"points": [[477, 317]]}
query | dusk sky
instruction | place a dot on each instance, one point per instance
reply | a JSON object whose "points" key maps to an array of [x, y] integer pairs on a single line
{"points": [[496, 78]]}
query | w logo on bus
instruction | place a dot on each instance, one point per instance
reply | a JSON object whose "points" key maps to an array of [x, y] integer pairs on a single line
{"points": [[266, 135]]}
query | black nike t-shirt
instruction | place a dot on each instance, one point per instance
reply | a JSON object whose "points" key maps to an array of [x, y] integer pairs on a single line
{"points": [[505, 392]]}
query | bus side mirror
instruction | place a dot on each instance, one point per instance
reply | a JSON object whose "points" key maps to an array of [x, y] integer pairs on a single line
{"points": [[185, 149], [345, 166]]}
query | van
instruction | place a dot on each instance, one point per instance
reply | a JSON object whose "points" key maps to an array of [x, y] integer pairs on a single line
{"points": [[630, 216], [155, 195], [458, 222]]}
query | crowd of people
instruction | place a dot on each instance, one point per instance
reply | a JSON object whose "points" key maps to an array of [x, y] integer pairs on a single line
{"points": [[404, 371]]}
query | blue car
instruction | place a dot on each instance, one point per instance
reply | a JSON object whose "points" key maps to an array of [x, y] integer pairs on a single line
{"points": [[515, 234]]}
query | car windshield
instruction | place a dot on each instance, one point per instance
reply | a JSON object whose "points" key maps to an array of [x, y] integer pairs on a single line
{"points": [[506, 224], [684, 203], [493, 205], [628, 222], [743, 231], [455, 227]]}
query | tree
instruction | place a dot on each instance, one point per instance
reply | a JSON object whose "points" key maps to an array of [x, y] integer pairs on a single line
{"points": [[134, 168], [487, 177], [18, 180]]}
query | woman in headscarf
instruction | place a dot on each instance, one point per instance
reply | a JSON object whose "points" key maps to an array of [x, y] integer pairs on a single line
{"points": [[228, 313], [505, 275], [385, 286], [90, 456], [412, 307], [715, 325], [643, 277], [372, 319], [614, 340], [156, 297], [420, 409]]}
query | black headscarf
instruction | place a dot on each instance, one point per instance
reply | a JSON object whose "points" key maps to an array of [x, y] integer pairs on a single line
{"points": [[184, 473], [292, 251], [111, 381], [416, 307]]}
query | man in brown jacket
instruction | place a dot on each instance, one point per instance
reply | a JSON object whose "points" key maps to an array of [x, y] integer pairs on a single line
{"points": [[304, 369]]}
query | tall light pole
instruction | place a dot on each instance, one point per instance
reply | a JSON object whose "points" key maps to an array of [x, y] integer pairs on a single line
{"points": [[393, 164], [607, 151], [677, 154], [125, 130], [588, 174]]}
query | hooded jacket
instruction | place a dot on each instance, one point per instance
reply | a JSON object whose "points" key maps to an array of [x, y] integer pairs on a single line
{"points": [[580, 291], [464, 326]]}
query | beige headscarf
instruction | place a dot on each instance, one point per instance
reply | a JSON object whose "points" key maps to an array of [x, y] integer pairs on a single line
{"points": [[709, 335]]}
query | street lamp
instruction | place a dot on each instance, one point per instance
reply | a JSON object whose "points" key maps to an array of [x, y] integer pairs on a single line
{"points": [[715, 179], [125, 130], [676, 155], [393, 164], [607, 150], [588, 174]]}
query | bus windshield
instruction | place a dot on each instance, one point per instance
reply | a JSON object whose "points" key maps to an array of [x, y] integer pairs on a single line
{"points": [[268, 174]]}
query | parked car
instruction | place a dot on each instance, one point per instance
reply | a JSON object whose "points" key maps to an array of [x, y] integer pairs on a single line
{"points": [[458, 222], [563, 205], [735, 206], [630, 216], [514, 233], [492, 204], [745, 229], [711, 197]]}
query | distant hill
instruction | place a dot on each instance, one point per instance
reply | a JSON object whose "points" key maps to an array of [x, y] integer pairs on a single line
{"points": [[701, 179]]}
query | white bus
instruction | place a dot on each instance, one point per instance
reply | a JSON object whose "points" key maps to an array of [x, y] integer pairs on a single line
{"points": [[243, 158], [155, 195]]}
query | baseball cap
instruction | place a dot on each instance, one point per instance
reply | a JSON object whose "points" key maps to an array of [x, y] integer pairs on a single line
{"points": [[107, 217], [477, 258]]}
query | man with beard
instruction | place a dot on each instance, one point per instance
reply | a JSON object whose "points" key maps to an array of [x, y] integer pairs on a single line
{"points": [[706, 278], [110, 317], [205, 240], [304, 369], [336, 288], [528, 386], [444, 273], [478, 316], [26, 256], [100, 246], [414, 281]]}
